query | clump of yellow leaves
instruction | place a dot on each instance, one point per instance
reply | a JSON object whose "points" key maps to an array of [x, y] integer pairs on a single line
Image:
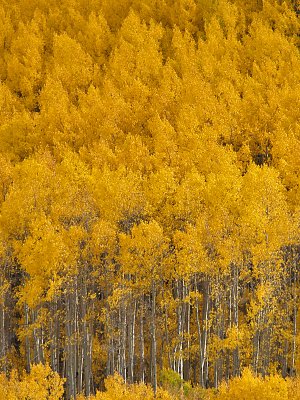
{"points": [[251, 387], [41, 384], [116, 389]]}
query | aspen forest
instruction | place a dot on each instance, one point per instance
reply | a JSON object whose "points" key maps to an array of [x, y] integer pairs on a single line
{"points": [[149, 199]]}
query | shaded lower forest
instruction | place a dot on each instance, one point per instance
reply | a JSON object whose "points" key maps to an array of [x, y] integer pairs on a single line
{"points": [[149, 197]]}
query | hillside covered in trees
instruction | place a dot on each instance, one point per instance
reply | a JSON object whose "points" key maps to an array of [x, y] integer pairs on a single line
{"points": [[149, 194]]}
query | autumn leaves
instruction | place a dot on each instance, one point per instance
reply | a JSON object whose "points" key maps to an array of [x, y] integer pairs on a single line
{"points": [[149, 188]]}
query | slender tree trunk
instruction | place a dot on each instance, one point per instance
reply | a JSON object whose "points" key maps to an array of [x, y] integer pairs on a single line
{"points": [[86, 338], [201, 378], [123, 340], [205, 319], [37, 339], [295, 315], [131, 340], [166, 327], [257, 345], [71, 362], [178, 360], [142, 344], [153, 338], [186, 332], [236, 355], [3, 329], [54, 332], [27, 341]]}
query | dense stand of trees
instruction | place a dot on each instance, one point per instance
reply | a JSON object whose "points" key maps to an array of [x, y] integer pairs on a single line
{"points": [[149, 189]]}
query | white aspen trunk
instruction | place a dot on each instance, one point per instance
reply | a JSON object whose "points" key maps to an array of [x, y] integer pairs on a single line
{"points": [[27, 341], [216, 374], [54, 329], [2, 335], [3, 341], [122, 340], [166, 328], [142, 344], [201, 378], [36, 357], [114, 344], [70, 343], [110, 365], [256, 345], [79, 333], [204, 362], [236, 356], [218, 333], [41, 348], [75, 333], [295, 316], [86, 353], [153, 336], [294, 346], [79, 373], [131, 342], [69, 383], [179, 346], [119, 350], [267, 356], [37, 340], [123, 347], [186, 364]]}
